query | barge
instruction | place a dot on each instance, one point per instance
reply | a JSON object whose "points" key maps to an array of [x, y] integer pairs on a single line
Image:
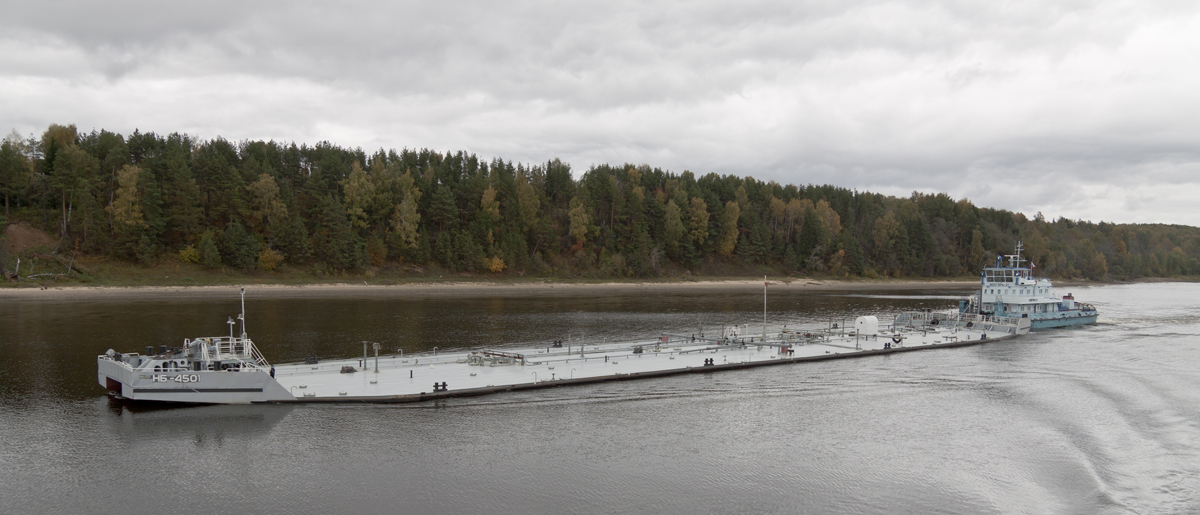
{"points": [[231, 370]]}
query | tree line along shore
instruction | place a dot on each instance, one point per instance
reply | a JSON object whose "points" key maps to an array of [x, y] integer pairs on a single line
{"points": [[264, 207]]}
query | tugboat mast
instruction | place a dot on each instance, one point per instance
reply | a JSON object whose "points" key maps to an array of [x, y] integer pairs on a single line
{"points": [[1014, 261], [242, 316]]}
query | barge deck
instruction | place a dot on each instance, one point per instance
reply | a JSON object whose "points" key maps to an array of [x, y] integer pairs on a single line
{"points": [[404, 379]]}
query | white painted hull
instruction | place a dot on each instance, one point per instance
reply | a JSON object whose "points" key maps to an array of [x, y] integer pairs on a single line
{"points": [[197, 387]]}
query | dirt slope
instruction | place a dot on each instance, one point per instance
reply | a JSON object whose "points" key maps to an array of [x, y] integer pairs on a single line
{"points": [[21, 236]]}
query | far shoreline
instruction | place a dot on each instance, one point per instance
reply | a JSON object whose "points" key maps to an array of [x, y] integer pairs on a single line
{"points": [[469, 289]]}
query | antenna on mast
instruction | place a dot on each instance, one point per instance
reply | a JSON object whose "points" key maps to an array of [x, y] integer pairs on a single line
{"points": [[765, 284], [242, 316]]}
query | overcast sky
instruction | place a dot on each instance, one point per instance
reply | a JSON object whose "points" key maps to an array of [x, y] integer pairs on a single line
{"points": [[1083, 109]]}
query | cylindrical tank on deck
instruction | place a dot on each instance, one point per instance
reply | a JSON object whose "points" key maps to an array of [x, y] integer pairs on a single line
{"points": [[866, 325], [149, 350]]}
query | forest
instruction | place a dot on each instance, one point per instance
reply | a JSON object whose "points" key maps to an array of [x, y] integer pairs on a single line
{"points": [[267, 206]]}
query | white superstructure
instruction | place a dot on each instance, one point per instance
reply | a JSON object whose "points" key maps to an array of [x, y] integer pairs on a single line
{"points": [[1012, 290]]}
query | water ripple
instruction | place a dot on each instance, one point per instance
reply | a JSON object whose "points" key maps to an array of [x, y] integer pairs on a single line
{"points": [[1098, 419]]}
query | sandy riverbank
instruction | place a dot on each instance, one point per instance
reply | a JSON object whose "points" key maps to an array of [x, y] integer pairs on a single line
{"points": [[457, 289]]}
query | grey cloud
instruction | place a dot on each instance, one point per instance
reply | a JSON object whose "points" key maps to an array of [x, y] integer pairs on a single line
{"points": [[601, 54], [895, 96]]}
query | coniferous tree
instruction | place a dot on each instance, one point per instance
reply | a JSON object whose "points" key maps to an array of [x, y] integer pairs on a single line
{"points": [[210, 256], [480, 215], [68, 177], [14, 170], [146, 249], [728, 237], [239, 248], [151, 199], [856, 257], [675, 231], [698, 220], [221, 185], [442, 210], [334, 240], [181, 197], [291, 238]]}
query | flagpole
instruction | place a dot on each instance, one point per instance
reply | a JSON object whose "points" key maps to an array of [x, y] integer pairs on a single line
{"points": [[764, 338]]}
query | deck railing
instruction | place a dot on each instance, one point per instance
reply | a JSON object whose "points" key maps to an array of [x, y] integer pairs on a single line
{"points": [[923, 320], [226, 349]]}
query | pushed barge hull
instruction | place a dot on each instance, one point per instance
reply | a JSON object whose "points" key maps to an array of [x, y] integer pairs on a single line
{"points": [[231, 371]]}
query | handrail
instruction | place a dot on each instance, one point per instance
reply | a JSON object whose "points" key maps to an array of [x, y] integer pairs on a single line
{"points": [[235, 349], [954, 317]]}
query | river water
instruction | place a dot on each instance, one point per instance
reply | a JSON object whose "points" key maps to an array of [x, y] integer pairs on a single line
{"points": [[1099, 419]]}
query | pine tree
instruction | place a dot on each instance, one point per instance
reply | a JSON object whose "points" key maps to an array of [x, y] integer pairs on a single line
{"points": [[151, 197], [698, 220], [210, 256], [69, 178], [528, 203], [220, 183], [855, 258], [335, 241], [146, 250], [291, 238], [239, 248], [729, 228], [14, 170], [442, 210], [265, 205], [674, 231], [181, 195], [810, 236]]}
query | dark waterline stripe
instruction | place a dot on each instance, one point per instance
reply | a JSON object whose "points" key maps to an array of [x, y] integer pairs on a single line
{"points": [[197, 390]]}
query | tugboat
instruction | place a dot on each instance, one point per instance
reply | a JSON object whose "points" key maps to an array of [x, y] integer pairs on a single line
{"points": [[1011, 290]]}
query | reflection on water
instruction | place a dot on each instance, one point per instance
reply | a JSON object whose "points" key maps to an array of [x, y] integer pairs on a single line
{"points": [[202, 424], [1088, 420]]}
